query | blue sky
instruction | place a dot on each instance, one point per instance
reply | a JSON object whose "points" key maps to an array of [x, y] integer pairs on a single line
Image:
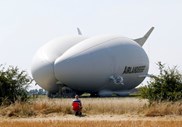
{"points": [[26, 25]]}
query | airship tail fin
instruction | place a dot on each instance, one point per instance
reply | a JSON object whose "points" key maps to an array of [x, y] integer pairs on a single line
{"points": [[79, 31], [142, 40]]}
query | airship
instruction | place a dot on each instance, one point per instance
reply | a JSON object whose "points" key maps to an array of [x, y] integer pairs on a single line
{"points": [[100, 65]]}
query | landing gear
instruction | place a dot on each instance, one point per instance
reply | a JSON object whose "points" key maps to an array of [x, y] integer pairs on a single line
{"points": [[63, 92], [67, 92]]}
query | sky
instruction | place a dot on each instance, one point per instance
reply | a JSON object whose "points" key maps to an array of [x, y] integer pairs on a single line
{"points": [[26, 25]]}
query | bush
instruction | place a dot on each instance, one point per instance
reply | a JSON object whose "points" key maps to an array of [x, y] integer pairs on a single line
{"points": [[13, 85], [167, 86]]}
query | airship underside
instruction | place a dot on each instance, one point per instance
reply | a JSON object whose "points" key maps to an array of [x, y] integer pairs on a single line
{"points": [[100, 65]]}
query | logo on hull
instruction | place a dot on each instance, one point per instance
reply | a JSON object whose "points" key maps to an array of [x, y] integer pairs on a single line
{"points": [[137, 69]]}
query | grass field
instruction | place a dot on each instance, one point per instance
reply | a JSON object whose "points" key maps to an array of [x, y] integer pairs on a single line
{"points": [[100, 112], [99, 123], [40, 107]]}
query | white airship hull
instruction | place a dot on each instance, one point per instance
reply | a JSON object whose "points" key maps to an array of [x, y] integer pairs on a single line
{"points": [[99, 65]]}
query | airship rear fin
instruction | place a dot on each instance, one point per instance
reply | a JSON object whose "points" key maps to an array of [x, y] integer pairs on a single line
{"points": [[142, 40], [79, 31]]}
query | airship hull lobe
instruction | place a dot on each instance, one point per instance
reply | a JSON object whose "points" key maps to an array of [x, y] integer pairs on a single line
{"points": [[90, 63], [43, 62]]}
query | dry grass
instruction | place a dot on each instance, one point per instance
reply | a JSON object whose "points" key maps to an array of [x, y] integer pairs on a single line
{"points": [[164, 108], [100, 112], [42, 107], [125, 123], [114, 106], [39, 107], [91, 106]]}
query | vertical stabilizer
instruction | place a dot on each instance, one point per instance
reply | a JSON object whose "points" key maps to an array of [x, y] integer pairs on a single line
{"points": [[142, 40], [79, 32]]}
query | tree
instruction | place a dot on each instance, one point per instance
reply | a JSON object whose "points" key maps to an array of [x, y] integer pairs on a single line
{"points": [[167, 86], [13, 84]]}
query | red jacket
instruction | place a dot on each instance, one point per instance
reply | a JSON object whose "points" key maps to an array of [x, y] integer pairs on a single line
{"points": [[76, 105]]}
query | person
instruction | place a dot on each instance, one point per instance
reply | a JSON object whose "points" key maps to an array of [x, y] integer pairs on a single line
{"points": [[77, 106]]}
